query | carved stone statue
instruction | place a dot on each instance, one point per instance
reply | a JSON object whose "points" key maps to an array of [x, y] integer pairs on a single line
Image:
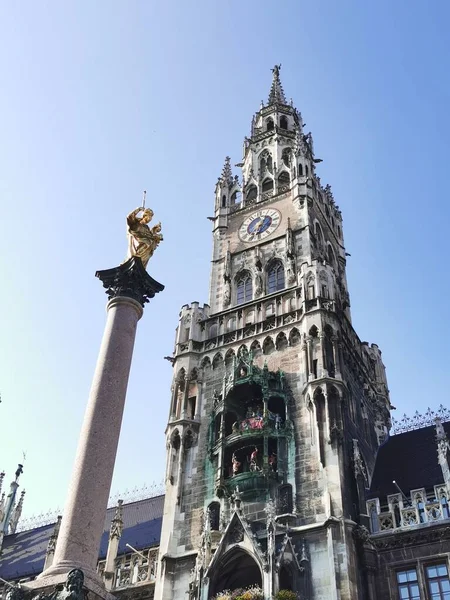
{"points": [[142, 240], [71, 590]]}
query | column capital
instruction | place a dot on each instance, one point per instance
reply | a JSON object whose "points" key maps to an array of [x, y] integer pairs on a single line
{"points": [[130, 279]]}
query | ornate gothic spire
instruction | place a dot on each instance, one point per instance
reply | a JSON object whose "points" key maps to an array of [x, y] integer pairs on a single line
{"points": [[276, 94], [227, 175]]}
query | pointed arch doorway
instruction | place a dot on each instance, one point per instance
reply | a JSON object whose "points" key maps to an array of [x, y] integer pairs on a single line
{"points": [[236, 569]]}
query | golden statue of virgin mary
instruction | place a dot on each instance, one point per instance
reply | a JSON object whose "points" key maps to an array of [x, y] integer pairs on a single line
{"points": [[142, 240]]}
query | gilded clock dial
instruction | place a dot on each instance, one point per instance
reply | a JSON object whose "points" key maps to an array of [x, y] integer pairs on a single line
{"points": [[259, 225]]}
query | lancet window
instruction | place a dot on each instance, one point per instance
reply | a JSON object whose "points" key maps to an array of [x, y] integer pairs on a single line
{"points": [[275, 278], [244, 291]]}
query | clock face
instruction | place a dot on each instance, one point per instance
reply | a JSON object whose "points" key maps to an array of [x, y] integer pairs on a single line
{"points": [[259, 225]]}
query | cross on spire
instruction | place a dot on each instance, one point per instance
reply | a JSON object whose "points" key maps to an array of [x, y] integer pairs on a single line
{"points": [[276, 94]]}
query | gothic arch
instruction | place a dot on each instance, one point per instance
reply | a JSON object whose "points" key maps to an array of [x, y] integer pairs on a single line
{"points": [[284, 178], [265, 162], [283, 122], [229, 358], [193, 375], [268, 346], [237, 568], [217, 361], [251, 194], [181, 375], [206, 363], [313, 331], [255, 348], [270, 125], [275, 276], [281, 341], [175, 439], [267, 184], [294, 337], [330, 255], [318, 233], [214, 515], [244, 286], [242, 353], [286, 157]]}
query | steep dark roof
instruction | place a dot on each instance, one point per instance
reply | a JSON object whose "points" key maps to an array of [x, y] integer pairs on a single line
{"points": [[410, 459], [23, 553]]}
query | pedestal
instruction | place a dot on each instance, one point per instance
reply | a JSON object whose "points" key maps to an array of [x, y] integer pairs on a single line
{"points": [[128, 287]]}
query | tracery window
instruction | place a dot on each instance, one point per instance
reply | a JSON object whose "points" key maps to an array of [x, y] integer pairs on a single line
{"points": [[270, 124], [244, 289], [275, 280], [283, 122]]}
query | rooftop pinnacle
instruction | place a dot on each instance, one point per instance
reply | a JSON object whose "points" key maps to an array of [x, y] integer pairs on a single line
{"points": [[276, 94]]}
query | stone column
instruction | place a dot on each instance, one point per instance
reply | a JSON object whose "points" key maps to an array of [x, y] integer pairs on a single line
{"points": [[128, 287]]}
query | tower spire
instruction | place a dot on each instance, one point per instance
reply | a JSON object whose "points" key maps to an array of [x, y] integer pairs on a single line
{"points": [[276, 94]]}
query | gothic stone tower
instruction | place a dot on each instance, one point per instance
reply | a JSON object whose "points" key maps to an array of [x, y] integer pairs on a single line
{"points": [[277, 407]]}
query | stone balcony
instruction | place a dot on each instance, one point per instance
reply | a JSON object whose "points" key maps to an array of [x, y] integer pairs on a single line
{"points": [[401, 512]]}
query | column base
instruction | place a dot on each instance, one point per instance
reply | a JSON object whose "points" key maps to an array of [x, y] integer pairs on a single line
{"points": [[54, 580]]}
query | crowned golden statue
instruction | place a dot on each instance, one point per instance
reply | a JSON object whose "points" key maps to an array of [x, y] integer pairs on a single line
{"points": [[142, 239]]}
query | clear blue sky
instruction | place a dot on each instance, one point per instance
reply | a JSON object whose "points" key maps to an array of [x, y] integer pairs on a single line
{"points": [[101, 100]]}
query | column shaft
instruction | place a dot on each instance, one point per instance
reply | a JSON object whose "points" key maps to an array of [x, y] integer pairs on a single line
{"points": [[84, 514]]}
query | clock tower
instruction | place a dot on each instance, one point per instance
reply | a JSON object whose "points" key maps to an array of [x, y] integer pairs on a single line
{"points": [[277, 408]]}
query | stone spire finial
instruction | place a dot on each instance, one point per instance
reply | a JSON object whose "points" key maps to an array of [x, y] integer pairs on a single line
{"points": [[276, 94], [16, 514], [227, 174], [52, 544]]}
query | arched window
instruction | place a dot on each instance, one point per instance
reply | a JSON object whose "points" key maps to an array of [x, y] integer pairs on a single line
{"points": [[269, 125], [267, 184], [286, 157], [214, 515], [283, 122], [319, 234], [244, 289], [275, 278], [236, 198], [224, 201], [265, 162], [251, 194], [284, 178], [300, 170], [306, 170], [330, 256]]}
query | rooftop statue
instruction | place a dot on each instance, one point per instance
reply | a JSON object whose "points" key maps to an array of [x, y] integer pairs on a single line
{"points": [[142, 239]]}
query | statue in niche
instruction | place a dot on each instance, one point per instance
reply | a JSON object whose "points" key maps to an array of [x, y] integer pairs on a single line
{"points": [[227, 294], [254, 460], [142, 240], [273, 462], [235, 464]]}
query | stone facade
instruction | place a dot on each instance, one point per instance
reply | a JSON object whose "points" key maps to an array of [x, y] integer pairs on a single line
{"points": [[272, 388]]}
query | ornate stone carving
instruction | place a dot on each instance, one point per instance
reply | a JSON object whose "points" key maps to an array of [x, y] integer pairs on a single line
{"points": [[417, 421], [130, 279], [71, 590]]}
